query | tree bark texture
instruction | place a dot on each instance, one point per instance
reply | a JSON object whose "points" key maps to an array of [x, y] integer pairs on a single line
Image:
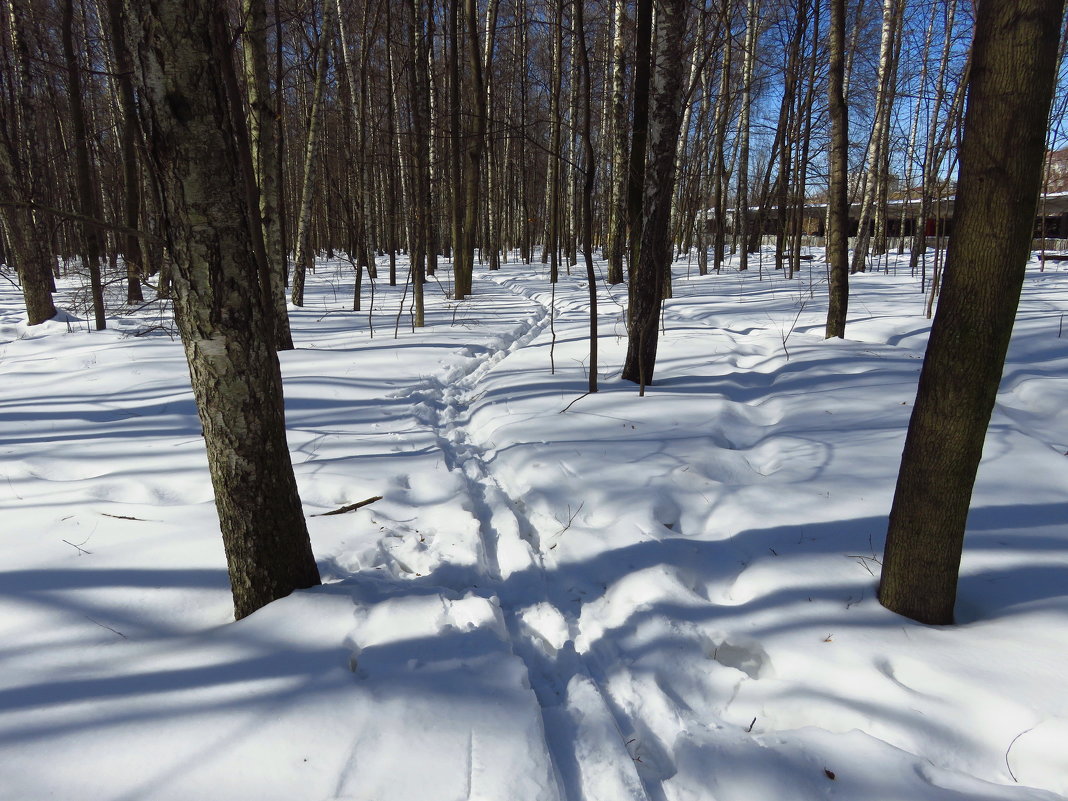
{"points": [[639, 139], [654, 252], [264, 138], [222, 296], [20, 177], [589, 174], [838, 201], [1010, 90], [617, 212]]}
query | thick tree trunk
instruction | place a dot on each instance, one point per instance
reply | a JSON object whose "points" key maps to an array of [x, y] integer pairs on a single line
{"points": [[29, 256], [654, 253], [1010, 89], [222, 296], [21, 177]]}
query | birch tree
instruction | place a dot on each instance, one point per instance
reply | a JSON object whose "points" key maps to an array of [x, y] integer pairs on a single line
{"points": [[878, 145], [752, 25], [222, 293]]}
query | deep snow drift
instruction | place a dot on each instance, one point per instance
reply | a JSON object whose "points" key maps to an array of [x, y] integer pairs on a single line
{"points": [[558, 598]]}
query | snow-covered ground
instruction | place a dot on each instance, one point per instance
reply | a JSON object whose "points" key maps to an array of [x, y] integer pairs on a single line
{"points": [[558, 598]]}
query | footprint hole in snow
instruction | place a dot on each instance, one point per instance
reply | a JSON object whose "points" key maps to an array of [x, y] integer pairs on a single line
{"points": [[750, 659], [667, 512]]}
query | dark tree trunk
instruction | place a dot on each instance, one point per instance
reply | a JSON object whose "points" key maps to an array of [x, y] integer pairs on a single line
{"points": [[654, 252], [1010, 89], [264, 156], [552, 229], [222, 296], [476, 145], [20, 178], [132, 251], [639, 138], [302, 243], [617, 216], [456, 195], [589, 171], [422, 203], [92, 244], [838, 217]]}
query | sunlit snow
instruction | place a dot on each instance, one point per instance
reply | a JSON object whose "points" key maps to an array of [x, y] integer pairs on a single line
{"points": [[557, 598]]}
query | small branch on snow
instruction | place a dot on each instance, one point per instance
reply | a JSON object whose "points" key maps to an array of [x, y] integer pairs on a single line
{"points": [[571, 518], [79, 547], [122, 517], [1014, 739], [863, 561], [576, 400], [106, 627], [352, 507], [786, 335]]}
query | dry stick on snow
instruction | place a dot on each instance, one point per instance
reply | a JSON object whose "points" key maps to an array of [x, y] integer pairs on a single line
{"points": [[79, 547], [576, 400], [1014, 739], [552, 329], [786, 336], [352, 507], [571, 518], [115, 631]]}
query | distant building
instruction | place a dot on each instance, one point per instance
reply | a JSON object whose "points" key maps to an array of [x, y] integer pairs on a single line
{"points": [[904, 207]]}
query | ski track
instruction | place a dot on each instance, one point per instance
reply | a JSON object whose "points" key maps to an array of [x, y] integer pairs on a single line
{"points": [[579, 714], [600, 745], [576, 710]]}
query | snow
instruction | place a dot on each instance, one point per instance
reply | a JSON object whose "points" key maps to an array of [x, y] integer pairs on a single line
{"points": [[558, 597]]}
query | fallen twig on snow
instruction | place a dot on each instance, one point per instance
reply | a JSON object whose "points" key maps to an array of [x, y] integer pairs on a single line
{"points": [[1014, 739], [79, 547], [352, 507]]}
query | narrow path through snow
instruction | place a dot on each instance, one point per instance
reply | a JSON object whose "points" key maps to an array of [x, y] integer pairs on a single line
{"points": [[587, 734]]}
